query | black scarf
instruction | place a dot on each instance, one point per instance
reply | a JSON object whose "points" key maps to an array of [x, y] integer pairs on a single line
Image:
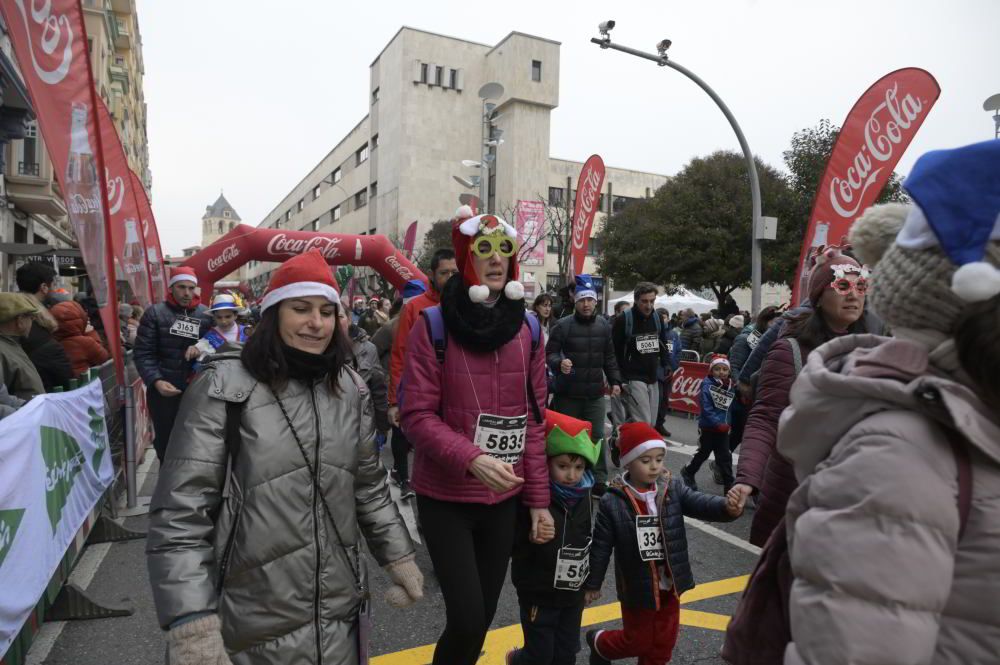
{"points": [[307, 367], [476, 326]]}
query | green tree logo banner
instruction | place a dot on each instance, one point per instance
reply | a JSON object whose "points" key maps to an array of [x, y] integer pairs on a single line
{"points": [[9, 521], [98, 436], [63, 460]]}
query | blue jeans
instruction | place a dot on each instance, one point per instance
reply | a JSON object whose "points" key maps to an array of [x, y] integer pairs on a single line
{"points": [[551, 635]]}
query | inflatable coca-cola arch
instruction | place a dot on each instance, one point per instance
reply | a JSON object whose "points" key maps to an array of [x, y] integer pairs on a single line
{"points": [[247, 243]]}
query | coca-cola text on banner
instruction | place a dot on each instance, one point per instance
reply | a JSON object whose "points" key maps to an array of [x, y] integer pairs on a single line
{"points": [[247, 243], [874, 136], [151, 240], [123, 208], [588, 197], [685, 387], [50, 44]]}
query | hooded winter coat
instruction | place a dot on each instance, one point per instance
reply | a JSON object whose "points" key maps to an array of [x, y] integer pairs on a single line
{"points": [[442, 402], [82, 349], [266, 558], [881, 575]]}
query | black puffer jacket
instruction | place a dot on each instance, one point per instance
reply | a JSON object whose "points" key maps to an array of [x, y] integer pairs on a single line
{"points": [[160, 355], [586, 342], [691, 334], [637, 580], [533, 567], [48, 357]]}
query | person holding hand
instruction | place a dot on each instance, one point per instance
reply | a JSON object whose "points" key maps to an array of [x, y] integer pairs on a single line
{"points": [[473, 406], [641, 519]]}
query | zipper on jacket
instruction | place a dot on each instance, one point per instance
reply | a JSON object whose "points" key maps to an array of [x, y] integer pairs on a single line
{"points": [[228, 550], [315, 510], [666, 552]]}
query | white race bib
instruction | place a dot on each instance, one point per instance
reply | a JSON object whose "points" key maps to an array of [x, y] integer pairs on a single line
{"points": [[753, 338], [650, 537], [721, 397], [501, 436], [647, 343], [572, 567], [670, 346], [185, 326]]}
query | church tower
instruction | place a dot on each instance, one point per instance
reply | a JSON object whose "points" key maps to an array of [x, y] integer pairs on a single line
{"points": [[219, 219]]}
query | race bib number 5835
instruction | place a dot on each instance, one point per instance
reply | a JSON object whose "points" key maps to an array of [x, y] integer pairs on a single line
{"points": [[501, 436]]}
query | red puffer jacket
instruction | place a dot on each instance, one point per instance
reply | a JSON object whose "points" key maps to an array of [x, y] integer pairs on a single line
{"points": [[83, 350], [441, 404], [761, 466]]}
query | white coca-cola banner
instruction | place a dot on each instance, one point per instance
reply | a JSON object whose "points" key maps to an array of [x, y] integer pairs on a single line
{"points": [[685, 387]]}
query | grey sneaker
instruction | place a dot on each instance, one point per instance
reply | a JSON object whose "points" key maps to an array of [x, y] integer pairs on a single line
{"points": [[716, 474], [688, 478], [405, 492]]}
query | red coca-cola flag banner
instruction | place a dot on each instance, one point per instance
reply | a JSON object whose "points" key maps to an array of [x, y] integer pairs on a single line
{"points": [[877, 131], [150, 240], [588, 197], [247, 243], [685, 387], [410, 239], [50, 43], [123, 207]]}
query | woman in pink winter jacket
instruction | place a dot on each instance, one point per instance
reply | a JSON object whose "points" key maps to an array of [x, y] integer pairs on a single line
{"points": [[473, 405]]}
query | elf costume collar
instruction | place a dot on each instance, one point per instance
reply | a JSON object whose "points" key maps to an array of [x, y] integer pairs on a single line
{"points": [[464, 231]]}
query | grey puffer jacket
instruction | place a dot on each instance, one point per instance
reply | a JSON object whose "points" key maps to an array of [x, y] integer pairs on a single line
{"points": [[880, 574], [266, 558]]}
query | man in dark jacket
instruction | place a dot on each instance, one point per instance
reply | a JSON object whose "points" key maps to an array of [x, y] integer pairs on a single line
{"points": [[166, 331], [34, 280], [641, 350], [580, 354], [691, 331]]}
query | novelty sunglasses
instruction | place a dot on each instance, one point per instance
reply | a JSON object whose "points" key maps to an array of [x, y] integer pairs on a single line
{"points": [[844, 286], [486, 246]]}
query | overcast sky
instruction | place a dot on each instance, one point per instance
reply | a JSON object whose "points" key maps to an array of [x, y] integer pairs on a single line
{"points": [[247, 96]]}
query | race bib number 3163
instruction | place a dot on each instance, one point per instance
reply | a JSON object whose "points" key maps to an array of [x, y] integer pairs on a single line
{"points": [[185, 326]]}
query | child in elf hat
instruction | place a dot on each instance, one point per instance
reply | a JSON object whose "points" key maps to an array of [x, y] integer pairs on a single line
{"points": [[717, 393], [549, 577], [641, 519], [225, 308]]}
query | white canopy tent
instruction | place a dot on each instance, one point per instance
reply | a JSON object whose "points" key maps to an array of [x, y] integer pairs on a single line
{"points": [[683, 299]]}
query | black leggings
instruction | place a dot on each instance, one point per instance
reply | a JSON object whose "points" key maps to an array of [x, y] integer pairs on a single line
{"points": [[400, 454], [470, 545]]}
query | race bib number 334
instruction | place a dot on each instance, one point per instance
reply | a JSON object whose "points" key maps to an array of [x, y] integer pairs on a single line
{"points": [[650, 537]]}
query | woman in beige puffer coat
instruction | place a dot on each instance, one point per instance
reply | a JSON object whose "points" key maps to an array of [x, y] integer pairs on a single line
{"points": [[886, 570], [274, 572]]}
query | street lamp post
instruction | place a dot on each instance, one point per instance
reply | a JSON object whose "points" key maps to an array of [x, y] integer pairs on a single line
{"points": [[663, 61]]}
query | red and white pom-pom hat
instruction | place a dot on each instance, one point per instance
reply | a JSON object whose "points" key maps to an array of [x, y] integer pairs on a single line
{"points": [[304, 275], [183, 275], [635, 439], [464, 230]]}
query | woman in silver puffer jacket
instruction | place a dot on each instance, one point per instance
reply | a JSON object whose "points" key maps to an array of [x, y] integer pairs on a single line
{"points": [[266, 567]]}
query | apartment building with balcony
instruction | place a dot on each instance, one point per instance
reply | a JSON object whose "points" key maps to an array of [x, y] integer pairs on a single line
{"points": [[396, 165]]}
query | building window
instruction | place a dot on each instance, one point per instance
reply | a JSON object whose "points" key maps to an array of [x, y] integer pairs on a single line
{"points": [[336, 176], [335, 214], [361, 155], [594, 246], [374, 141], [314, 225], [423, 72], [288, 215], [551, 243], [374, 95], [556, 196], [438, 75], [232, 225], [618, 203], [536, 70], [372, 232], [317, 191], [220, 228], [554, 281], [302, 204], [374, 190], [453, 79], [225, 213], [361, 199]]}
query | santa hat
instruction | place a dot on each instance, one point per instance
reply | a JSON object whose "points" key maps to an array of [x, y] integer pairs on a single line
{"points": [[465, 228], [304, 275], [183, 275], [635, 439], [717, 360], [224, 302], [584, 288], [565, 435], [957, 195]]}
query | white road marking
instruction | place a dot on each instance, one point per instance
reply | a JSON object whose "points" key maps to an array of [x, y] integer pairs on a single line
{"points": [[723, 535], [83, 574]]}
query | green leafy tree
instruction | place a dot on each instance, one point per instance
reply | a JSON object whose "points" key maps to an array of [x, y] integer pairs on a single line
{"points": [[437, 237], [696, 230]]}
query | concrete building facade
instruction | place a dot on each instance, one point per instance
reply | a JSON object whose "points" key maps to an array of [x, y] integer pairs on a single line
{"points": [[425, 116]]}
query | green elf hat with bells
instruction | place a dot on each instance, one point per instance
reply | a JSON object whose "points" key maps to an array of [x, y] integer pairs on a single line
{"points": [[569, 436]]}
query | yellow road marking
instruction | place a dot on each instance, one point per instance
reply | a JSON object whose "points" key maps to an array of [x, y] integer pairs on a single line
{"points": [[500, 640]]}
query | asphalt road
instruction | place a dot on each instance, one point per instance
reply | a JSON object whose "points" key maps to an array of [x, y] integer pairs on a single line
{"points": [[406, 637]]}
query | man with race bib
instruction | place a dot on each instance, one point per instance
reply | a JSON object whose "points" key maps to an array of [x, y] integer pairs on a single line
{"points": [[640, 340], [472, 403], [166, 330], [641, 519]]}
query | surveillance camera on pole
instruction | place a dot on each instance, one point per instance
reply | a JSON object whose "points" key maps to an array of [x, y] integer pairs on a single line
{"points": [[605, 27], [471, 163], [471, 182], [663, 47]]}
